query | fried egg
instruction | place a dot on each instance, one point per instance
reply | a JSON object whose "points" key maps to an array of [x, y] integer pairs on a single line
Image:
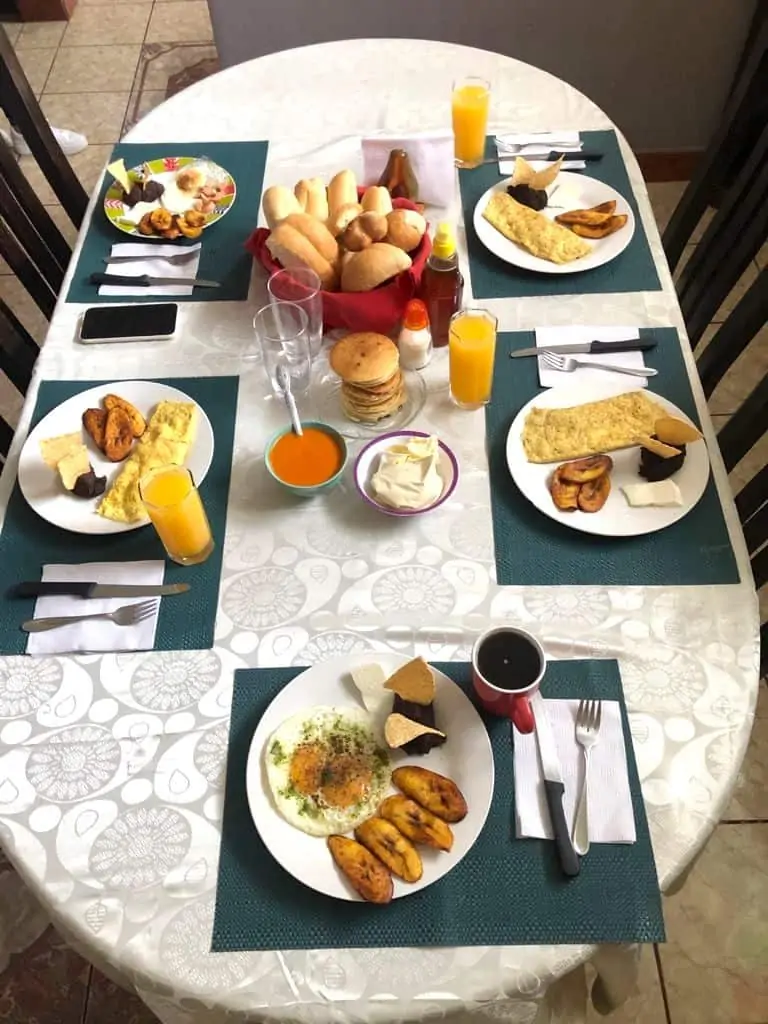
{"points": [[325, 770]]}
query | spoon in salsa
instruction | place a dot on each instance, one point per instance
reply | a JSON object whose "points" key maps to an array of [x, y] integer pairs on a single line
{"points": [[284, 380]]}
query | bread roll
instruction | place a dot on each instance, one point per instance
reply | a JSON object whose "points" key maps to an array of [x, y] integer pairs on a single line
{"points": [[278, 202], [341, 191], [405, 229], [375, 225], [376, 199], [338, 221], [312, 197], [370, 268], [316, 233], [293, 249], [354, 237]]}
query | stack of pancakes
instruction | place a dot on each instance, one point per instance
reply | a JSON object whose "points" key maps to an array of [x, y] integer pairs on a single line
{"points": [[372, 386]]}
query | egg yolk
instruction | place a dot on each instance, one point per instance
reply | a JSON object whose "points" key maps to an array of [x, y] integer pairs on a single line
{"points": [[345, 780], [307, 766]]}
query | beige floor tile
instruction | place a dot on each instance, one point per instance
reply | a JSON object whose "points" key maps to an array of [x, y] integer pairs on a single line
{"points": [[645, 1005], [742, 377], [88, 166], [739, 290], [714, 962], [10, 399], [104, 3], [63, 223], [161, 61], [40, 35], [703, 224], [102, 25], [750, 464], [12, 30], [140, 104], [664, 196], [94, 69], [762, 257], [101, 121], [688, 251], [13, 292], [750, 798], [180, 20], [36, 65]]}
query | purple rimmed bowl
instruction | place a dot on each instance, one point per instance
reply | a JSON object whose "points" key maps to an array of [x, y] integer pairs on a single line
{"points": [[367, 463]]}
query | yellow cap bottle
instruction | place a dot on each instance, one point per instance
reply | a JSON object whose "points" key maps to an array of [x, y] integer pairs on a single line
{"points": [[444, 244]]}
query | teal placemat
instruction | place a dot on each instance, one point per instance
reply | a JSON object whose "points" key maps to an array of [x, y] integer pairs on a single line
{"points": [[27, 542], [223, 257], [506, 891], [492, 278], [534, 550]]}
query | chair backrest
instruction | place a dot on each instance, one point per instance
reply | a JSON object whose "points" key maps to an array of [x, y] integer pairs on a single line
{"points": [[18, 353], [23, 111]]}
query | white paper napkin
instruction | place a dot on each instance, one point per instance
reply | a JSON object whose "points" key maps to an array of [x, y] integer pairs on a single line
{"points": [[572, 335], [101, 635], [611, 816], [153, 267], [536, 147], [431, 156]]}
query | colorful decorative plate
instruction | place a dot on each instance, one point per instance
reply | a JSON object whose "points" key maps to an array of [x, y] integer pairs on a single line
{"points": [[164, 170]]}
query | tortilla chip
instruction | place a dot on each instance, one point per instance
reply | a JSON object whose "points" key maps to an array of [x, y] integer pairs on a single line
{"points": [[413, 682], [524, 174], [399, 730], [671, 430], [658, 447], [370, 679]]}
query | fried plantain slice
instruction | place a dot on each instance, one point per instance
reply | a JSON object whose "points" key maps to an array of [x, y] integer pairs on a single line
{"points": [[391, 847], [564, 494], [145, 225], [582, 470], [364, 872], [589, 218], [416, 823], [94, 421], [160, 219], [437, 793], [612, 225], [118, 435], [594, 494], [138, 423]]}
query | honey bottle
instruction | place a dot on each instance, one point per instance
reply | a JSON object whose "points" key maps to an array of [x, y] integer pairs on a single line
{"points": [[442, 285], [398, 176]]}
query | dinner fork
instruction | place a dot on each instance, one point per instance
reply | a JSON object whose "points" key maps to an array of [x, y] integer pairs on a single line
{"points": [[555, 361], [587, 728], [127, 615], [184, 256]]}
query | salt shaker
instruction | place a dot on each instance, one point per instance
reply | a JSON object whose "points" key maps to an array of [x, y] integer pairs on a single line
{"points": [[415, 340]]}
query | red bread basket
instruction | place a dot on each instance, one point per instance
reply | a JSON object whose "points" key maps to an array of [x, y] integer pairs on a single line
{"points": [[380, 310]]}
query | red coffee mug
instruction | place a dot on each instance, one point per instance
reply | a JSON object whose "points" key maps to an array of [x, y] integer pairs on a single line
{"points": [[510, 703]]}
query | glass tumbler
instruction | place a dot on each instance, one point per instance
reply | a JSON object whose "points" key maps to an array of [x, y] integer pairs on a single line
{"points": [[471, 354], [303, 287], [470, 101], [283, 332], [174, 505]]}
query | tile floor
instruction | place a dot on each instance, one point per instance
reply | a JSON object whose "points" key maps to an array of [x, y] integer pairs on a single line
{"points": [[714, 967]]}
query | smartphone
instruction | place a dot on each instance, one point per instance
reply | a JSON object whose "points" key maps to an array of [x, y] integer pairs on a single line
{"points": [[151, 322]]}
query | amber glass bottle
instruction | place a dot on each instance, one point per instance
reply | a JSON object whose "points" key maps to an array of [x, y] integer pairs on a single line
{"points": [[441, 285], [398, 176]]}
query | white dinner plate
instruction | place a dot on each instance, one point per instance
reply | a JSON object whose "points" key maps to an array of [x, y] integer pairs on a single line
{"points": [[41, 485], [466, 757], [570, 191], [616, 518]]}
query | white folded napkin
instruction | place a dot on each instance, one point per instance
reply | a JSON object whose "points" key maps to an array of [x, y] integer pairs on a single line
{"points": [[431, 156], [101, 635], [154, 267], [611, 816], [536, 146], [572, 335]]}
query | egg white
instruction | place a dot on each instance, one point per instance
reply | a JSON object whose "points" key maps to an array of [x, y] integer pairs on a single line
{"points": [[175, 200], [318, 723]]}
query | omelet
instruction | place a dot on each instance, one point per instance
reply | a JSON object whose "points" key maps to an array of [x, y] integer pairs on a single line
{"points": [[533, 231], [325, 770], [552, 435], [166, 441]]}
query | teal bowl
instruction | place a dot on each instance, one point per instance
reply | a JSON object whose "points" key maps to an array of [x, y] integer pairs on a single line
{"points": [[313, 489]]}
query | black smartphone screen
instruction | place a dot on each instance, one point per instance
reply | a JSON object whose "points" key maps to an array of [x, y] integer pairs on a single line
{"points": [[156, 320]]}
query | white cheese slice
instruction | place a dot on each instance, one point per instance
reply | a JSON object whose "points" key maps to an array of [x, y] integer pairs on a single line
{"points": [[661, 493], [119, 173], [54, 449], [73, 465], [370, 679]]}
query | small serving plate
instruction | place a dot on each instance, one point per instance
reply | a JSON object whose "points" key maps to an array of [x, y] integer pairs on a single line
{"points": [[368, 460]]}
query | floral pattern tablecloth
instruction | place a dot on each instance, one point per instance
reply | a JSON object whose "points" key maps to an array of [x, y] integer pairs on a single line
{"points": [[112, 767]]}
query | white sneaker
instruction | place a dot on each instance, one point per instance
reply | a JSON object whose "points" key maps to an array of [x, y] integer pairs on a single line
{"points": [[70, 142]]}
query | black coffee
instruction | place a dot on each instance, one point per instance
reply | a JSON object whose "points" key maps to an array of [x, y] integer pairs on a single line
{"points": [[508, 661]]}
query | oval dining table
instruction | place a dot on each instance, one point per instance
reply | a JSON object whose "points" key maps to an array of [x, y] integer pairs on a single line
{"points": [[688, 655]]}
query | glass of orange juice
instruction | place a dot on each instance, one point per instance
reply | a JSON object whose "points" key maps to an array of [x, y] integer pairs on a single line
{"points": [[471, 351], [469, 106], [173, 504]]}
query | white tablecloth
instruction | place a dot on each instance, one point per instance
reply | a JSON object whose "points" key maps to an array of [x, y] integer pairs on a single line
{"points": [[111, 767]]}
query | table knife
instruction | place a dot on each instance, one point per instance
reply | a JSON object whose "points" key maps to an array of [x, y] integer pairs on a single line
{"points": [[144, 281], [553, 787], [630, 345], [85, 589], [587, 155]]}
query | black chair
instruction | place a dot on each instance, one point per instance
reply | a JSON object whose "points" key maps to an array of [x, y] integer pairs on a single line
{"points": [[23, 111], [18, 353]]}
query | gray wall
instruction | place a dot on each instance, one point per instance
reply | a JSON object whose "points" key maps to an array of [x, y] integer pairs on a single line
{"points": [[660, 69]]}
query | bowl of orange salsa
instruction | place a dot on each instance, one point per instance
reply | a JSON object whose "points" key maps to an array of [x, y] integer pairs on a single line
{"points": [[308, 464]]}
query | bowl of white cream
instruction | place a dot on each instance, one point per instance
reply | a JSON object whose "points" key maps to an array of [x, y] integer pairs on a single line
{"points": [[406, 473]]}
